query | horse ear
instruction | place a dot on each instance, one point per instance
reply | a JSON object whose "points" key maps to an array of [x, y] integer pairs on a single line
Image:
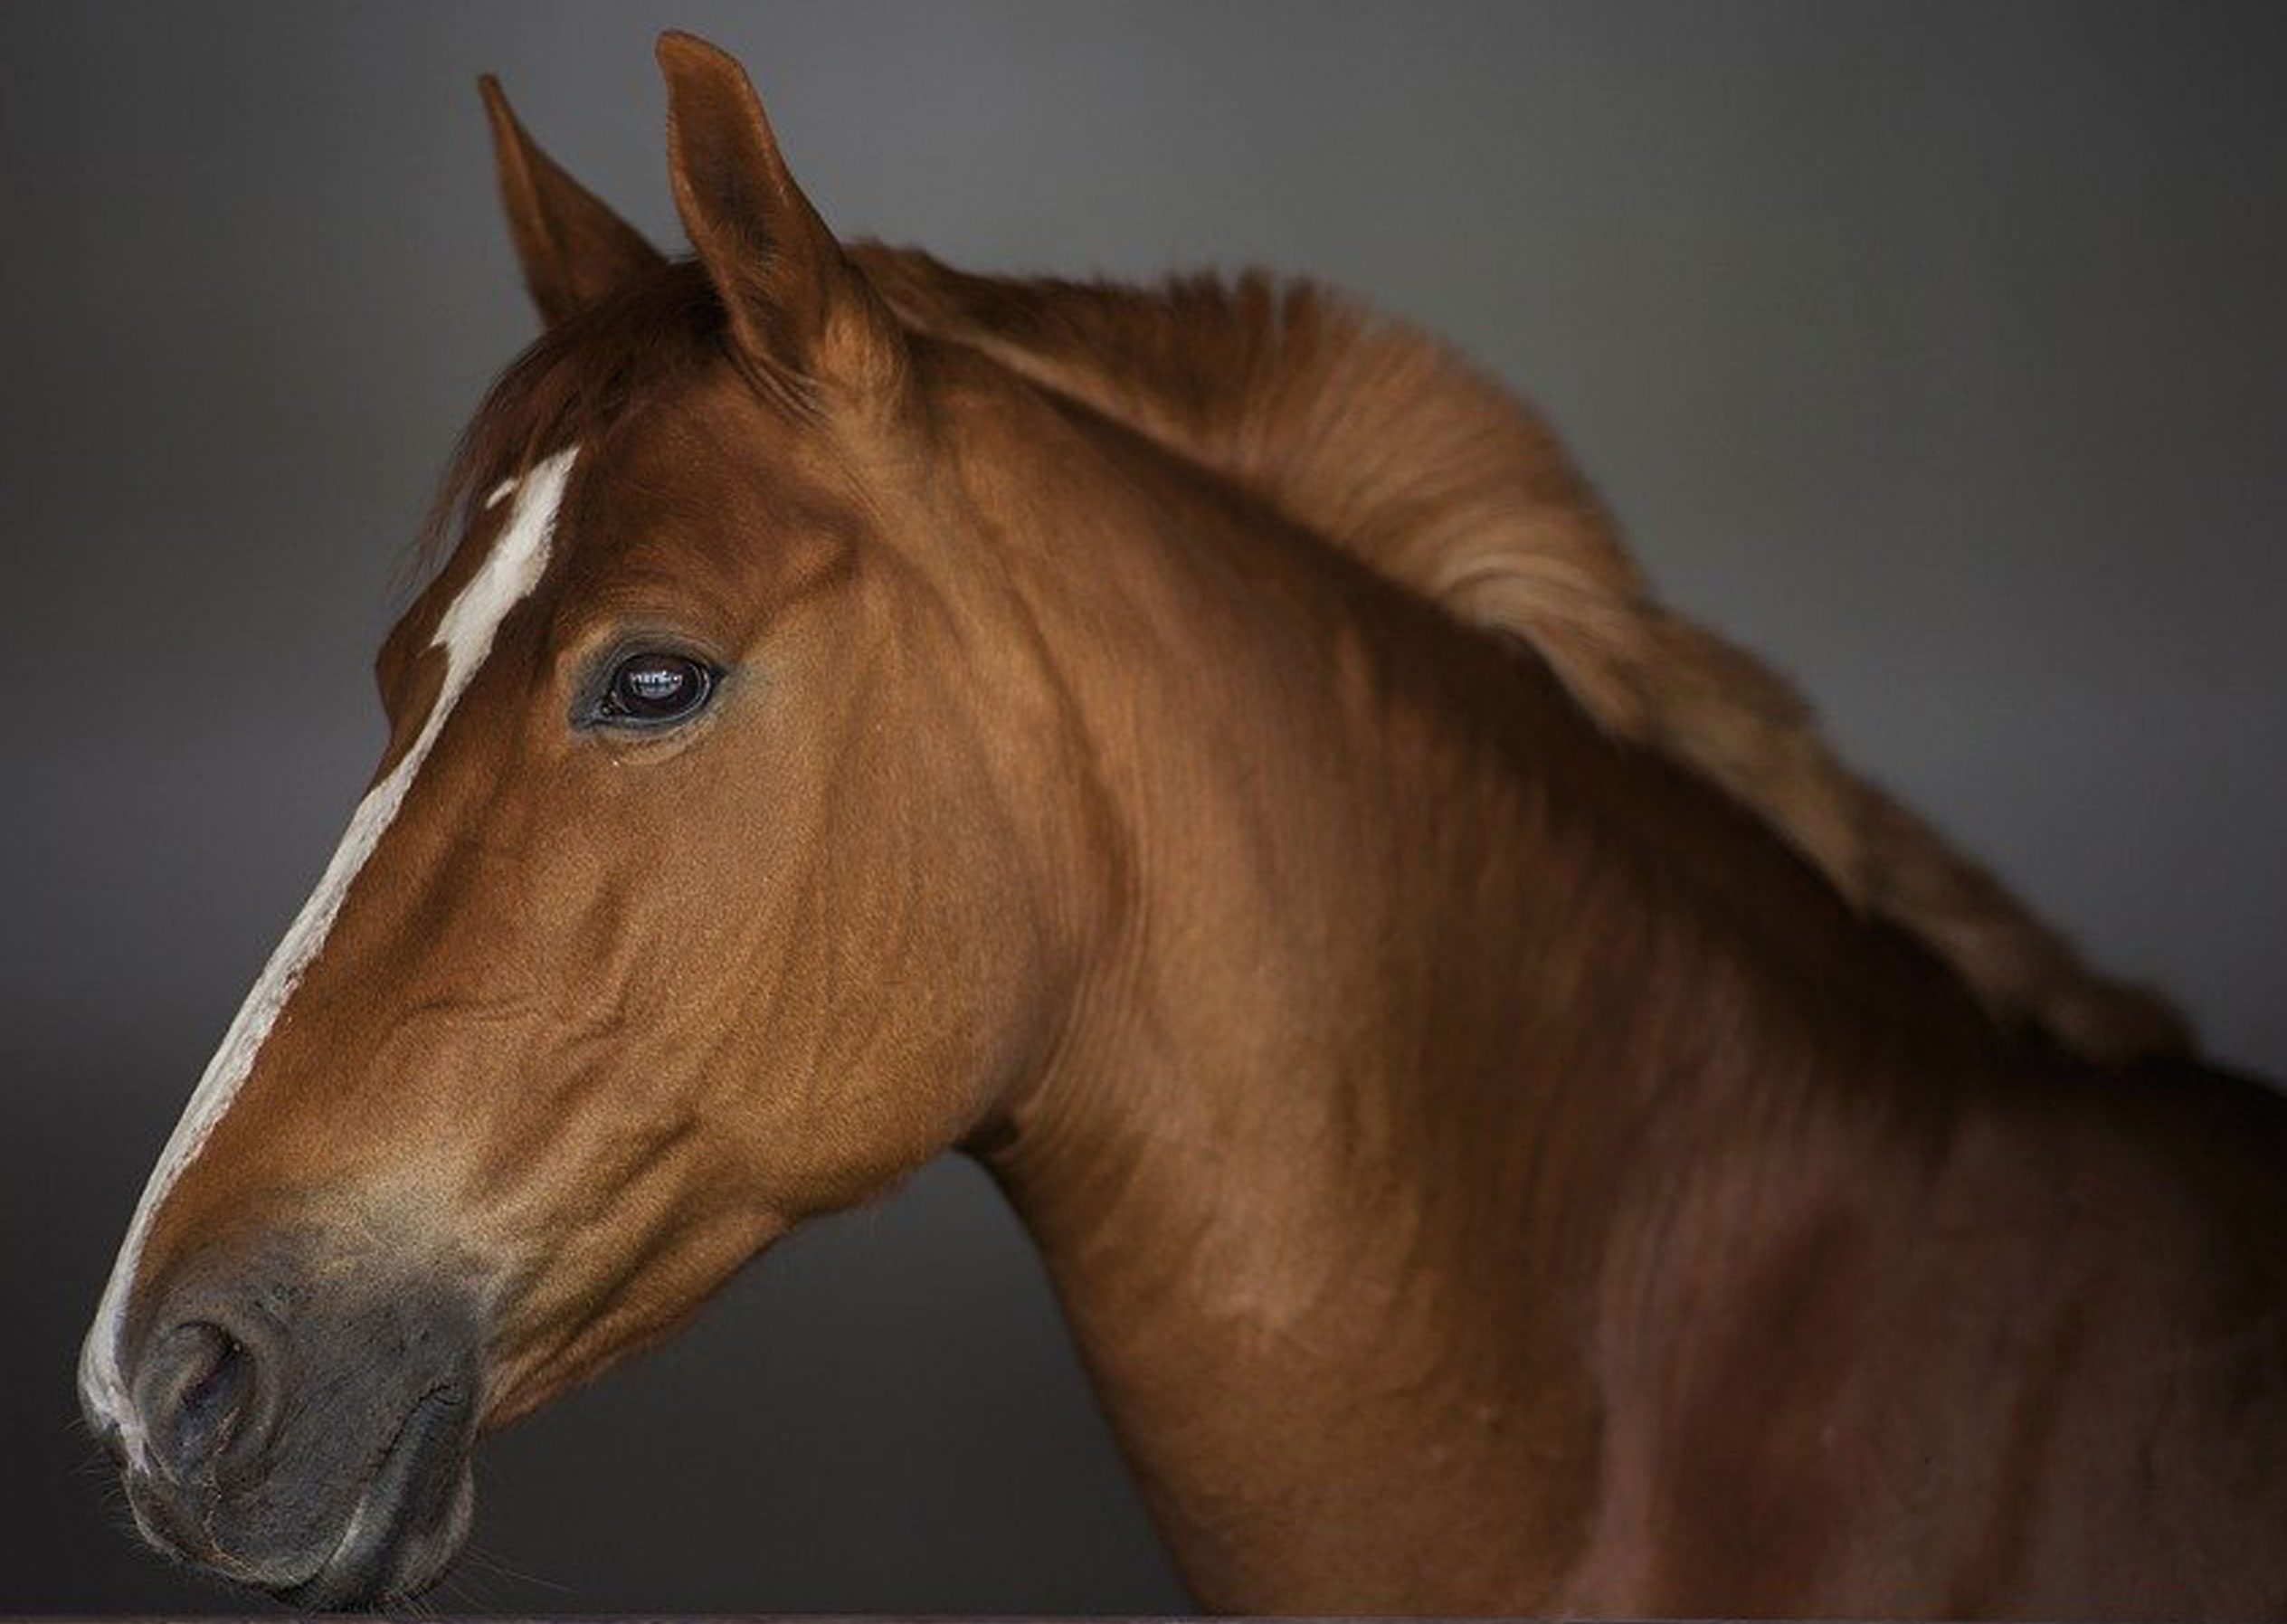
{"points": [[790, 293], [573, 249]]}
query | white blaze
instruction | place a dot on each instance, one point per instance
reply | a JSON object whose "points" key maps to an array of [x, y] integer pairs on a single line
{"points": [[465, 633]]}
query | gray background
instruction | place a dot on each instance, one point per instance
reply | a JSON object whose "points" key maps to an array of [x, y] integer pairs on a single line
{"points": [[1937, 351]]}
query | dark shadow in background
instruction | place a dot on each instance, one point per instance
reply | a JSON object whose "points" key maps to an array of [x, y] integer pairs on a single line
{"points": [[1938, 352]]}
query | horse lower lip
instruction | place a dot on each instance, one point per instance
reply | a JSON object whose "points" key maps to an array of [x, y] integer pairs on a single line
{"points": [[357, 1570]]}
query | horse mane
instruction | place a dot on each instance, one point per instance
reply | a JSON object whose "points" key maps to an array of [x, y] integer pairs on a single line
{"points": [[1386, 443], [1383, 442]]}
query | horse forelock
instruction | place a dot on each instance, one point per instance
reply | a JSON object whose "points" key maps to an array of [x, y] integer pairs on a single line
{"points": [[576, 384]]}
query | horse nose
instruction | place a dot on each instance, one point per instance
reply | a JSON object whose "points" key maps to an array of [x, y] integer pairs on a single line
{"points": [[206, 1395], [299, 1427]]}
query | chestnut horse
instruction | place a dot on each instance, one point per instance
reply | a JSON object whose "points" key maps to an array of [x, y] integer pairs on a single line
{"points": [[1515, 1126]]}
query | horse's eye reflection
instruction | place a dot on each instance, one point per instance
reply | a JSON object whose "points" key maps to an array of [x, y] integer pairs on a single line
{"points": [[653, 687]]}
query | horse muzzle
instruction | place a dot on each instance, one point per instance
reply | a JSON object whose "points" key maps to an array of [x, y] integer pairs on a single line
{"points": [[301, 1429]]}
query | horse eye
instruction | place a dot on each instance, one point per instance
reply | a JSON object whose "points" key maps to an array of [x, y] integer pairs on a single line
{"points": [[655, 688]]}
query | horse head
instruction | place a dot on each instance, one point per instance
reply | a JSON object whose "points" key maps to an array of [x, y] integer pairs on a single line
{"points": [[703, 886]]}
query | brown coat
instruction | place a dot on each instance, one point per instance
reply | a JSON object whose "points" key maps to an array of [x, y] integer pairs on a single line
{"points": [[1515, 1125]]}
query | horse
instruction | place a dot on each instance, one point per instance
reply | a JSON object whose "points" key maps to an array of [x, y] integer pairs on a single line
{"points": [[1515, 1125]]}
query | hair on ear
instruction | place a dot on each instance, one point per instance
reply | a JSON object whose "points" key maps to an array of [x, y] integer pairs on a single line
{"points": [[572, 248], [794, 303]]}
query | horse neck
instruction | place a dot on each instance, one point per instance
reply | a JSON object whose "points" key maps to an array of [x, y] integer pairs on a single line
{"points": [[1414, 988]]}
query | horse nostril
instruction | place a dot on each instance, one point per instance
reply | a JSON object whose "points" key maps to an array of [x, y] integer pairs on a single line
{"points": [[217, 1393], [203, 1392]]}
